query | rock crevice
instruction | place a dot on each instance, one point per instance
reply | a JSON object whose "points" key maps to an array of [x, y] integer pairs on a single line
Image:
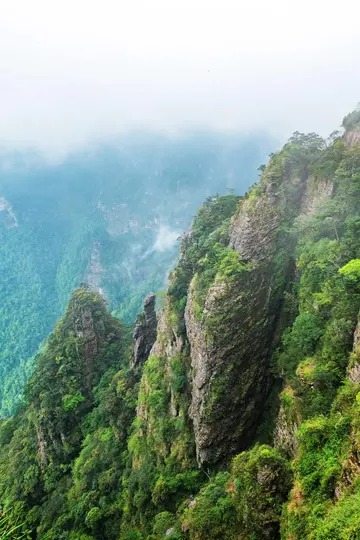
{"points": [[144, 334]]}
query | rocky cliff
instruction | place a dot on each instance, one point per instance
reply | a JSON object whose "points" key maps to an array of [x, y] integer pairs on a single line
{"points": [[232, 340], [110, 219], [234, 294], [239, 419], [144, 334], [254, 343]]}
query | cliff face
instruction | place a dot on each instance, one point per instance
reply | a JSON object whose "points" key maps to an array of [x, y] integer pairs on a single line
{"points": [[254, 229], [111, 221], [234, 287], [144, 334], [256, 350], [256, 291], [230, 378], [352, 137], [76, 356], [232, 342]]}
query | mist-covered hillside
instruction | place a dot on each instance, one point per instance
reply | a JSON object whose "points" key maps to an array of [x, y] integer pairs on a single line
{"points": [[233, 411], [109, 216]]}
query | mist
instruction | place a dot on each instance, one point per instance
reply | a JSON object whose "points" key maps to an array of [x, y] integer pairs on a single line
{"points": [[166, 238], [76, 72]]}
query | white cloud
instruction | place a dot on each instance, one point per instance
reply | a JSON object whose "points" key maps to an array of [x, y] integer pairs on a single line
{"points": [[166, 238], [71, 71]]}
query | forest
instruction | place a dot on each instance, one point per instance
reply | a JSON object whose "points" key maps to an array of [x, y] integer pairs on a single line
{"points": [[243, 421], [110, 216]]}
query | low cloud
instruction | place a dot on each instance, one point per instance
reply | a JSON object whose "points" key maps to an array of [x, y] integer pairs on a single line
{"points": [[75, 72], [166, 238]]}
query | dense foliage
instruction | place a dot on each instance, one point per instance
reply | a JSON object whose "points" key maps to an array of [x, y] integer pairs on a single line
{"points": [[99, 450], [11, 530], [108, 216], [86, 348]]}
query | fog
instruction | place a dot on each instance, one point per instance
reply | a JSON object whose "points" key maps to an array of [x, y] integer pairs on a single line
{"points": [[166, 238], [78, 71]]}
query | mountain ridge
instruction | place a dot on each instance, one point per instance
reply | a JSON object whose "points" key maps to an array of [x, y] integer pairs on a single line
{"points": [[110, 216], [241, 420]]}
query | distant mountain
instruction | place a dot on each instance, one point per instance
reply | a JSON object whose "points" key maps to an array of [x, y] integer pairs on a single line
{"points": [[109, 216], [234, 411]]}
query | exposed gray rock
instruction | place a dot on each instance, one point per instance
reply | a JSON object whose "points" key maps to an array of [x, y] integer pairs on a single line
{"points": [[315, 195], [352, 137], [254, 228], [356, 346], [354, 374], [285, 433], [85, 329], [354, 369], [350, 472], [144, 334], [232, 342], [168, 341], [229, 355], [41, 446]]}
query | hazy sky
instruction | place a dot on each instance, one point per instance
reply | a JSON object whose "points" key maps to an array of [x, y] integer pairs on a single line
{"points": [[73, 70]]}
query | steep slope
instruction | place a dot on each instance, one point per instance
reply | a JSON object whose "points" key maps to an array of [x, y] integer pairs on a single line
{"points": [[270, 291], [44, 438], [317, 424], [108, 216], [256, 351], [233, 276]]}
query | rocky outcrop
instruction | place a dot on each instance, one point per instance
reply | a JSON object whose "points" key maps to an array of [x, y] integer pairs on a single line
{"points": [[254, 229], [169, 340], [41, 446], [233, 338], [232, 341], [315, 195], [84, 328], [352, 137], [285, 433], [233, 322], [354, 369], [230, 350], [356, 346], [287, 423], [144, 334], [350, 472]]}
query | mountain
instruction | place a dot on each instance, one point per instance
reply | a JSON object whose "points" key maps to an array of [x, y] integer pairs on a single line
{"points": [[239, 417], [109, 216]]}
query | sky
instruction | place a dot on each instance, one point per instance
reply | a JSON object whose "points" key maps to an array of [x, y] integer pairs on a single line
{"points": [[74, 71]]}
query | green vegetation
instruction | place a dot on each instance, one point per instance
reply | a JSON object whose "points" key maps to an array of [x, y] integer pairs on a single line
{"points": [[352, 119], [314, 359], [161, 445], [12, 530], [98, 450], [204, 248], [108, 217], [243, 504], [60, 421]]}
